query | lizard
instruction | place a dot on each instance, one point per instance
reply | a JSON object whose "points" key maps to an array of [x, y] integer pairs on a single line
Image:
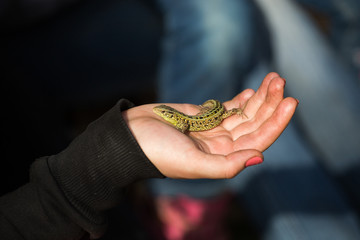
{"points": [[212, 113]]}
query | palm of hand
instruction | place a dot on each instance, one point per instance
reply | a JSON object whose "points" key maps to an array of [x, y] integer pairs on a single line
{"points": [[220, 152]]}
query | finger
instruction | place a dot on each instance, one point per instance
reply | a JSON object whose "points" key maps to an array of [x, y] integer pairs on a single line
{"points": [[245, 95], [260, 96], [271, 129], [219, 166], [262, 90], [239, 100], [274, 96]]}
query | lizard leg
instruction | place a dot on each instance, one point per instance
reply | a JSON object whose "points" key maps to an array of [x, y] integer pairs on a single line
{"points": [[182, 127]]}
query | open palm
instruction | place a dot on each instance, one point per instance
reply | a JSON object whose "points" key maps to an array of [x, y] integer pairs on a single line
{"points": [[221, 152]]}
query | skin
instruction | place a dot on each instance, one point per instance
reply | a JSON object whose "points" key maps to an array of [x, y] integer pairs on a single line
{"points": [[221, 152]]}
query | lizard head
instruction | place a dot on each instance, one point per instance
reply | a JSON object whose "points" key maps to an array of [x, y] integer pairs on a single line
{"points": [[167, 113]]}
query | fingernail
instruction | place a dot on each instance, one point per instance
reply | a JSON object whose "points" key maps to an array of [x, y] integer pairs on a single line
{"points": [[253, 161]]}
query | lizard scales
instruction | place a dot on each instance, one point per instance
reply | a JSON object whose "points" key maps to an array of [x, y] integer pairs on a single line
{"points": [[211, 114]]}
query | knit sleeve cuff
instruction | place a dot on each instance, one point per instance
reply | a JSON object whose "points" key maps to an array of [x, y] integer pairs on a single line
{"points": [[96, 166]]}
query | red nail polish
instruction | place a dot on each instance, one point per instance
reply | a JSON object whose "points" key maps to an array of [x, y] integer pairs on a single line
{"points": [[253, 161]]}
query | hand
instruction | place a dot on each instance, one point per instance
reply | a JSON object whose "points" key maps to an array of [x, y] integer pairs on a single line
{"points": [[221, 152]]}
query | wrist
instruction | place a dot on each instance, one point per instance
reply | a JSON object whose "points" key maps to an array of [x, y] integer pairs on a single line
{"points": [[96, 166]]}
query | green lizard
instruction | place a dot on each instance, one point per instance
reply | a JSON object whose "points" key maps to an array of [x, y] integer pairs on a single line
{"points": [[211, 114]]}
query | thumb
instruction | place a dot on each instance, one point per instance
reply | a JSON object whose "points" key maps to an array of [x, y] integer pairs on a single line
{"points": [[220, 166], [242, 159]]}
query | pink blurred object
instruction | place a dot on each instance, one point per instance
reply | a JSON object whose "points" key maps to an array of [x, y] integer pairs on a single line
{"points": [[185, 218]]}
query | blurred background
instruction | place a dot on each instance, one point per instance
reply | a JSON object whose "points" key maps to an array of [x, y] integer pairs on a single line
{"points": [[64, 63], [67, 67]]}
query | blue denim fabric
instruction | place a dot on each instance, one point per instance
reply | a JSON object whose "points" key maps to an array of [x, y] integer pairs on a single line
{"points": [[206, 53], [328, 92], [210, 47], [290, 196], [344, 17]]}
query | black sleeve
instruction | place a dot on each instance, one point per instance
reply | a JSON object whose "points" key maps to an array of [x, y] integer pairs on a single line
{"points": [[68, 193]]}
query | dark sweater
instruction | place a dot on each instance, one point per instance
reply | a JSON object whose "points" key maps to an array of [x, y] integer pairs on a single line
{"points": [[68, 193]]}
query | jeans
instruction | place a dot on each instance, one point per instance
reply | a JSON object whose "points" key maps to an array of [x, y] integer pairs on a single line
{"points": [[209, 50], [329, 95], [344, 31], [290, 196], [206, 53]]}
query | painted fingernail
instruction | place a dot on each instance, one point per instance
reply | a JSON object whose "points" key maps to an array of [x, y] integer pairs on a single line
{"points": [[253, 161]]}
